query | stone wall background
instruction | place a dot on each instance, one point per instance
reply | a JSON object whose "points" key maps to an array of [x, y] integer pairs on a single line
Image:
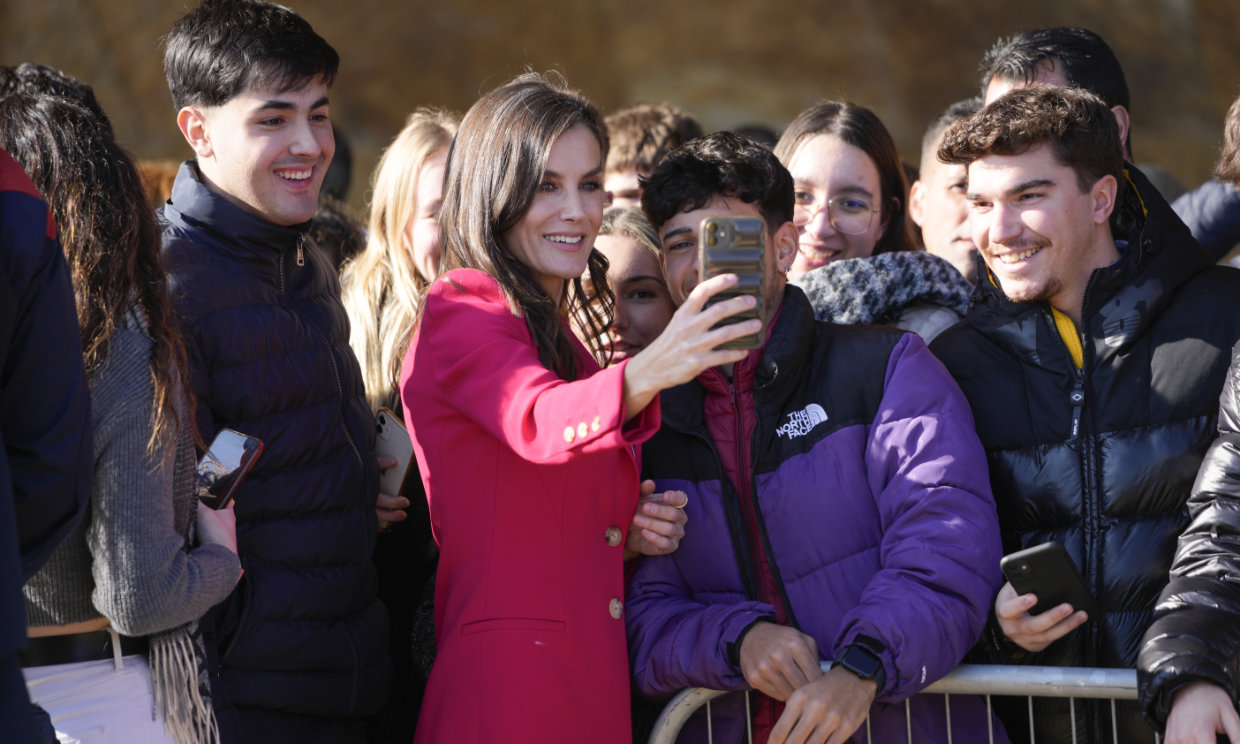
{"points": [[728, 61]]}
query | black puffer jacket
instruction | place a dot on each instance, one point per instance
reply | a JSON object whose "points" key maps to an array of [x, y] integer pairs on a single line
{"points": [[268, 342], [1106, 477], [1196, 630]]}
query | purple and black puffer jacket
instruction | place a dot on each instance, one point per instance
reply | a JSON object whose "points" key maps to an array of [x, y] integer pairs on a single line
{"points": [[874, 509]]}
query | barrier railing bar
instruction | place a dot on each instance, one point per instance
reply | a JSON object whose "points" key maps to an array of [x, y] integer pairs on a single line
{"points": [[1079, 682], [967, 679], [748, 719], [947, 706]]}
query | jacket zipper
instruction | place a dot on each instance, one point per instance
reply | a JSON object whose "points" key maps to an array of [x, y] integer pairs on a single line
{"points": [[331, 355], [766, 543], [746, 497], [754, 513], [1091, 511], [738, 551]]}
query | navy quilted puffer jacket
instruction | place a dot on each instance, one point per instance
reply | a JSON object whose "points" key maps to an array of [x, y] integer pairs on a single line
{"points": [[268, 345]]}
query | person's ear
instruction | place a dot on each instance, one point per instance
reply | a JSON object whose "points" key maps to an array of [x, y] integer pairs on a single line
{"points": [[194, 126], [785, 245], [917, 202], [1121, 118], [884, 216], [1103, 195]]}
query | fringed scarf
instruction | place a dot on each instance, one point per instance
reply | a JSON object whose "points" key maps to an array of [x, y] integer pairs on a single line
{"points": [[179, 680]]}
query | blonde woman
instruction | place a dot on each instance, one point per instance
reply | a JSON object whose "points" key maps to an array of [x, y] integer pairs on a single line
{"points": [[381, 288], [383, 284]]}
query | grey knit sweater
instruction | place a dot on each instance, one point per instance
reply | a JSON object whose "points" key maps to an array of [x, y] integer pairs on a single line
{"points": [[130, 559]]}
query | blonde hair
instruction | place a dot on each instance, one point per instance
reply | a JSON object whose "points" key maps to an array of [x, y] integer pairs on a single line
{"points": [[631, 222], [381, 287]]}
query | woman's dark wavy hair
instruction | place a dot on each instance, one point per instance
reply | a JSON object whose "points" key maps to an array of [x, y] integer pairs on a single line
{"points": [[108, 233], [497, 160], [860, 127]]}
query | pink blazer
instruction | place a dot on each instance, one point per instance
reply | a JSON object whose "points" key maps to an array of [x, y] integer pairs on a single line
{"points": [[532, 483]]}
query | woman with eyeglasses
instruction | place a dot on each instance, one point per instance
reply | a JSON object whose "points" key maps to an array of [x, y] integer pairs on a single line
{"points": [[856, 259]]}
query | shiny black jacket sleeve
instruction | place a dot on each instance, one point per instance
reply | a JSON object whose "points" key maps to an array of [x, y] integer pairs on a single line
{"points": [[1195, 634]]}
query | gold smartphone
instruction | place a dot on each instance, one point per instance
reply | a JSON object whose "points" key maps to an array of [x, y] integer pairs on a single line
{"points": [[735, 245]]}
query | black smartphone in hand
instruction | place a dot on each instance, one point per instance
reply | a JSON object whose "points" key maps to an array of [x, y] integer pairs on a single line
{"points": [[1048, 572], [226, 462]]}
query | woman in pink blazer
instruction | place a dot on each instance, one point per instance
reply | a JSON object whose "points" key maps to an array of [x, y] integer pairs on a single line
{"points": [[526, 448]]}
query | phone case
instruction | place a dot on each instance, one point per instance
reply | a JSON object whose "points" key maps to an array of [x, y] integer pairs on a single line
{"points": [[735, 245], [392, 440], [1047, 571], [223, 467]]}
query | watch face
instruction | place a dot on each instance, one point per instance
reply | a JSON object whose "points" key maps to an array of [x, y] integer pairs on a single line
{"points": [[861, 662]]}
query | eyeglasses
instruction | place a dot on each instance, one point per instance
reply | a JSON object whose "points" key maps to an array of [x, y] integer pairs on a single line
{"points": [[850, 215]]}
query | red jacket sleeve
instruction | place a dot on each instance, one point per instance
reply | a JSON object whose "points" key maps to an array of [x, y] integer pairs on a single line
{"points": [[482, 358]]}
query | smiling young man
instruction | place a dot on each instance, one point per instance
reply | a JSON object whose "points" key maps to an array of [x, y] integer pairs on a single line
{"points": [[819, 469], [1093, 358], [298, 652]]}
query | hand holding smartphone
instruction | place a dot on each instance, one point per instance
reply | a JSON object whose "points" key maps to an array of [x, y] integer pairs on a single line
{"points": [[228, 459], [1048, 572], [392, 440], [735, 245]]}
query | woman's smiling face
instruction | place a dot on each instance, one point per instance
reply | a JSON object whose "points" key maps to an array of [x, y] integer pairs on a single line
{"points": [[554, 237]]}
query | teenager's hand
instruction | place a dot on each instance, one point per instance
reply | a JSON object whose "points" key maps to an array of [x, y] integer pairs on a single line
{"points": [[389, 508], [659, 523], [217, 526], [1034, 632], [1200, 711], [828, 710], [686, 348], [777, 660]]}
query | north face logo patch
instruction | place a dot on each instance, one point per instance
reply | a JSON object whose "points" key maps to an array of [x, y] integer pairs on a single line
{"points": [[801, 422]]}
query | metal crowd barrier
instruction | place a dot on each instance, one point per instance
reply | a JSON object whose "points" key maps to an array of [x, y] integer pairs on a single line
{"points": [[967, 679]]}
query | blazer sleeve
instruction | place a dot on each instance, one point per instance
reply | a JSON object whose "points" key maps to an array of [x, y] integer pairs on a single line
{"points": [[1195, 634], [482, 359], [940, 548]]}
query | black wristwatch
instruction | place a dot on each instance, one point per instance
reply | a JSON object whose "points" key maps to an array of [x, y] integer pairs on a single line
{"points": [[863, 658]]}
